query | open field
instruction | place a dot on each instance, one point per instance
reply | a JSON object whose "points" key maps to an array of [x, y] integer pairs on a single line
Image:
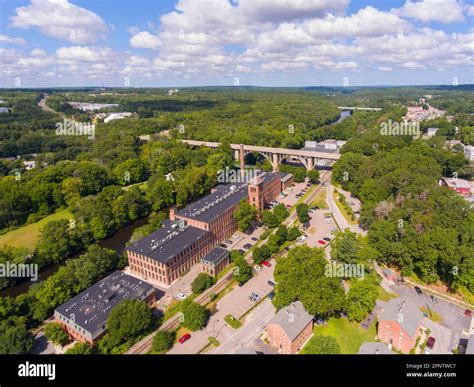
{"points": [[28, 235]]}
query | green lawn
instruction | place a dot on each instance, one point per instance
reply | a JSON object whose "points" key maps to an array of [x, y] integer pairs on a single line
{"points": [[232, 321], [384, 295], [28, 235], [349, 335]]}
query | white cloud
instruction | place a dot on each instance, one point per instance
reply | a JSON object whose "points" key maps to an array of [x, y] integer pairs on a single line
{"points": [[144, 39], [60, 19], [5, 39], [385, 68], [84, 54], [443, 11]]}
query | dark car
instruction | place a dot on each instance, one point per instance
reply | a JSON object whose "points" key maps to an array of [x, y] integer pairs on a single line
{"points": [[327, 239], [430, 342], [242, 251], [467, 313], [223, 245], [247, 246], [418, 290], [241, 284], [255, 239], [271, 283], [271, 295]]}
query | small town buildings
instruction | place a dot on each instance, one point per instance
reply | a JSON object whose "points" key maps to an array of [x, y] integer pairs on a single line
{"points": [[215, 261], [374, 348], [430, 132], [399, 325], [290, 328], [196, 229], [469, 152], [390, 274], [460, 186], [29, 164], [84, 317]]}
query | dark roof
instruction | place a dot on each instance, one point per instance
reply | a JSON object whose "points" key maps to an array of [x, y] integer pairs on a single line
{"points": [[292, 319], [215, 256], [91, 308], [374, 348], [319, 148], [285, 176], [265, 178], [168, 241], [405, 313], [211, 206]]}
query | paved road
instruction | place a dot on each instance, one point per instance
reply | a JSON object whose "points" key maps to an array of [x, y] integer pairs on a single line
{"points": [[42, 105], [235, 303], [255, 322]]}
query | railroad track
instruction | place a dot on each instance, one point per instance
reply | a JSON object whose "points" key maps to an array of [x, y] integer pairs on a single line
{"points": [[144, 346]]}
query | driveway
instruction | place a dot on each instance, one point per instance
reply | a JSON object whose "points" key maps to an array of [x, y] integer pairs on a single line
{"points": [[446, 339]]}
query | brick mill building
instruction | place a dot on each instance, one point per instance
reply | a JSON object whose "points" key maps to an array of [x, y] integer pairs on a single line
{"points": [[215, 261], [193, 231], [290, 328], [84, 317], [399, 325]]}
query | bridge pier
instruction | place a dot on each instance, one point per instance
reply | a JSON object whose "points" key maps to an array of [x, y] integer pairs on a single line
{"points": [[310, 164], [242, 161], [275, 162]]}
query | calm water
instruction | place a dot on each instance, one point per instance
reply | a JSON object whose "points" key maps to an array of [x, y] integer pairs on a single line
{"points": [[116, 242]]}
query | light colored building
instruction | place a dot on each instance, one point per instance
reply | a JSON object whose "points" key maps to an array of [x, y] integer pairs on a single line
{"points": [[29, 164], [430, 132], [290, 328], [469, 152], [215, 261]]}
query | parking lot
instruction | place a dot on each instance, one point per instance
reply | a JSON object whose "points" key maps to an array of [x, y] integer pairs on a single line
{"points": [[320, 226]]}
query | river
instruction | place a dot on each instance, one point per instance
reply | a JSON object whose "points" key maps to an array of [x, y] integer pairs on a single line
{"points": [[116, 242]]}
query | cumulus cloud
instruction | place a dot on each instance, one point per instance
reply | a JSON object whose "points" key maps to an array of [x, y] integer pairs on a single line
{"points": [[5, 39], [60, 19], [443, 11]]}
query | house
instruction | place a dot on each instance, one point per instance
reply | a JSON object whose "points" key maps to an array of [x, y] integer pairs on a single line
{"points": [[374, 348], [290, 328], [29, 164], [430, 132], [469, 152], [390, 274], [84, 317], [215, 261], [399, 325], [461, 186]]}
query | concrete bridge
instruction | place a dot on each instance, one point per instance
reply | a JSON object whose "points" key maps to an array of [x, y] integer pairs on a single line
{"points": [[275, 156], [359, 108]]}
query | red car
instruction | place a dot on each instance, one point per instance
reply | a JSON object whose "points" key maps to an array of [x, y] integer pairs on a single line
{"points": [[321, 242], [267, 264], [467, 313], [184, 338], [430, 342]]}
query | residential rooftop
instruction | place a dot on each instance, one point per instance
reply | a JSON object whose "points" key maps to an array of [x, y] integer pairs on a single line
{"points": [[168, 241], [90, 309], [405, 313], [456, 183], [374, 348], [292, 319]]}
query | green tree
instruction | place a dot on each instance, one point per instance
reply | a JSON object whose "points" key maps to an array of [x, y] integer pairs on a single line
{"points": [[130, 172], [281, 212], [195, 316], [313, 176], [129, 319], [80, 349], [202, 282], [302, 210], [269, 219], [56, 334], [261, 254], [14, 337], [162, 341], [361, 299], [244, 214], [346, 247], [292, 234], [242, 270]]}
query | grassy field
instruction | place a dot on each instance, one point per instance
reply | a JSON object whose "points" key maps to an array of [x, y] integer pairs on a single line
{"points": [[384, 295], [349, 335], [343, 210], [28, 235]]}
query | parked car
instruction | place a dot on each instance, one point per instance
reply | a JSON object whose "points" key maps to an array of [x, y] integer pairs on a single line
{"points": [[255, 296], [430, 343], [418, 290], [247, 246], [258, 268], [321, 242], [181, 296], [271, 295], [223, 245], [288, 206], [184, 338], [427, 351], [467, 313], [255, 239], [267, 264], [271, 283], [229, 242], [241, 251], [327, 239], [241, 284]]}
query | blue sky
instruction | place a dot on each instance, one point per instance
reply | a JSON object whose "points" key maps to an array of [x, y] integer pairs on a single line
{"points": [[141, 43]]}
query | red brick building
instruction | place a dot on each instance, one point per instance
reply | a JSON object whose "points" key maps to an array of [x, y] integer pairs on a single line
{"points": [[195, 230], [460, 186], [399, 325], [84, 317], [290, 328]]}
